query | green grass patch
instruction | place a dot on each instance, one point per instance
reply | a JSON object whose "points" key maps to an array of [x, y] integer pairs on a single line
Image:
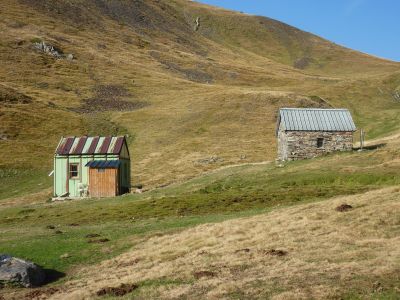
{"points": [[229, 193], [18, 182]]}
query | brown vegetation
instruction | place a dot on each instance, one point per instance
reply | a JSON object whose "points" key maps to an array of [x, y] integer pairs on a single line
{"points": [[325, 255], [182, 96]]}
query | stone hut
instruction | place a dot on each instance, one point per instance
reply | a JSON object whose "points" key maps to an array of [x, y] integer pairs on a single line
{"points": [[309, 132]]}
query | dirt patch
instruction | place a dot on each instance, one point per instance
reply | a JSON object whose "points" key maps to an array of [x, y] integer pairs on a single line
{"points": [[92, 235], [36, 294], [119, 291], [73, 225], [302, 63], [98, 241], [344, 208], [129, 263], [110, 98], [11, 96], [201, 274], [274, 252], [197, 74]]}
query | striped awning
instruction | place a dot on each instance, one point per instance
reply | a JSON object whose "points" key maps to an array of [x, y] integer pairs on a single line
{"points": [[103, 164], [90, 145]]}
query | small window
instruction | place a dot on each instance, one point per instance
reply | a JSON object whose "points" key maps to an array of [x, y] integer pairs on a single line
{"points": [[73, 170], [101, 170], [320, 142]]}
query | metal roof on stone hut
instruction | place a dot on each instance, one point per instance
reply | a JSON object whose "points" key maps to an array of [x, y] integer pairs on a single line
{"points": [[315, 119]]}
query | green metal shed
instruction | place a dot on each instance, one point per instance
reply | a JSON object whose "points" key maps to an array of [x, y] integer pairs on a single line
{"points": [[78, 161]]}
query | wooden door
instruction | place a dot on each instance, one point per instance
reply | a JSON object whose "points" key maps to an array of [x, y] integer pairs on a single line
{"points": [[103, 182]]}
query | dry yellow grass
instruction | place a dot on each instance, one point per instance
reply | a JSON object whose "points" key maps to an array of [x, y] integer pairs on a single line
{"points": [[249, 58], [329, 253]]}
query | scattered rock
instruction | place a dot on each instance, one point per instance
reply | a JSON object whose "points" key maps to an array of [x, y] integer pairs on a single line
{"points": [[92, 235], [70, 57], [16, 271], [99, 241], [377, 287], [48, 49], [243, 250], [201, 274], [343, 207], [197, 24], [58, 232], [210, 160], [274, 252], [50, 227], [66, 255], [73, 224], [119, 291]]}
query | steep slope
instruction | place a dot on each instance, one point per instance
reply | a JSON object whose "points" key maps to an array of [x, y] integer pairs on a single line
{"points": [[183, 94]]}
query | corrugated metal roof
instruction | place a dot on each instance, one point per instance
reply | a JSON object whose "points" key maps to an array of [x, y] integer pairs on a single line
{"points": [[90, 145], [315, 119], [103, 164]]}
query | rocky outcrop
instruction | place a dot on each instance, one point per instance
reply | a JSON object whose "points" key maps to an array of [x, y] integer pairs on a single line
{"points": [[51, 50], [19, 272]]}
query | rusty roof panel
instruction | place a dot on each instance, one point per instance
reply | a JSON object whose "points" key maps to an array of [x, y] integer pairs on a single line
{"points": [[79, 148], [87, 145], [105, 145], [74, 145], [112, 144], [61, 146], [68, 145], [90, 145], [99, 144], [118, 145], [93, 146]]}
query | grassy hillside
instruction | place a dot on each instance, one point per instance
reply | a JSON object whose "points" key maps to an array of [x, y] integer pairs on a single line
{"points": [[306, 252], [70, 235], [199, 105], [140, 68], [293, 214]]}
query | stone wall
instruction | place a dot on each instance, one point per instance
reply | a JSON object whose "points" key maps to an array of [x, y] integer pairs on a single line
{"points": [[293, 145]]}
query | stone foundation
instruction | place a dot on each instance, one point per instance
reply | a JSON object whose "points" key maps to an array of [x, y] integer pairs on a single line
{"points": [[294, 145]]}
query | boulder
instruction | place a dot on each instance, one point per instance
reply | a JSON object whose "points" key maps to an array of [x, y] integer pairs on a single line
{"points": [[16, 271]]}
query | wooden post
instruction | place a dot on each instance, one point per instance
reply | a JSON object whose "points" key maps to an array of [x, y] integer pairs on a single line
{"points": [[362, 136]]}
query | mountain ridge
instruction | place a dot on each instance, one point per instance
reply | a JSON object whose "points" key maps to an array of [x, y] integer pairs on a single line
{"points": [[209, 91]]}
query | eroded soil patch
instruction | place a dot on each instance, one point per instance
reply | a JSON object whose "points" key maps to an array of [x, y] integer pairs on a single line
{"points": [[110, 98], [201, 274], [344, 208], [274, 252], [119, 291], [98, 241], [40, 293]]}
